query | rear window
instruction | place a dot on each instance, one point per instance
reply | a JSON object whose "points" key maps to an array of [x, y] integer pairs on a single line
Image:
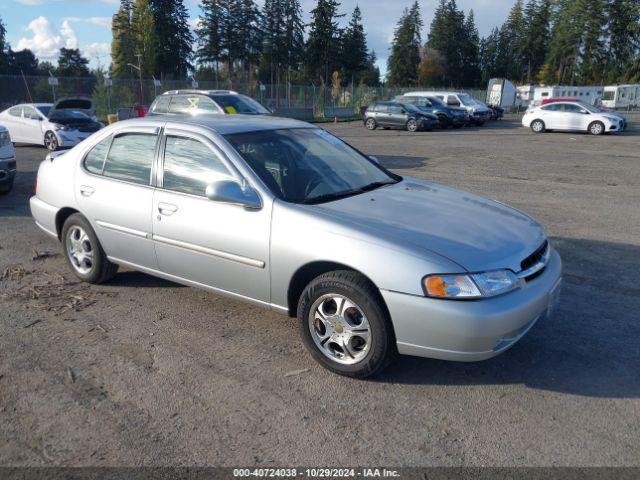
{"points": [[192, 104], [161, 105], [130, 158]]}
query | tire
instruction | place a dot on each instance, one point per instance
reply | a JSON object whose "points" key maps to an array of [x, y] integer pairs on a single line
{"points": [[371, 124], [596, 128], [50, 141], [537, 126], [358, 342], [6, 190], [443, 121], [412, 125], [84, 252]]}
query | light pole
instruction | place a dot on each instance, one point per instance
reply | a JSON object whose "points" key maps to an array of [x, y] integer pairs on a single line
{"points": [[139, 68]]}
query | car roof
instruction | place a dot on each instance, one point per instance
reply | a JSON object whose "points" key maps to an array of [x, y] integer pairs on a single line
{"points": [[223, 124], [201, 92]]}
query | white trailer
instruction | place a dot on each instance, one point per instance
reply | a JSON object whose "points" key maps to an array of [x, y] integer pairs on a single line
{"points": [[621, 96], [586, 94], [502, 93]]}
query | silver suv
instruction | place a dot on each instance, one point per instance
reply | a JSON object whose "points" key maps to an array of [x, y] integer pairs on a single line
{"points": [[196, 102], [287, 216]]}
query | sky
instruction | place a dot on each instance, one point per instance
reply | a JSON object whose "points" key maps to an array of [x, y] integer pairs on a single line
{"points": [[45, 26]]}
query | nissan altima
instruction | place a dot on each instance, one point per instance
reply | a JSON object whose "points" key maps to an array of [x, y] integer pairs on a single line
{"points": [[285, 215]]}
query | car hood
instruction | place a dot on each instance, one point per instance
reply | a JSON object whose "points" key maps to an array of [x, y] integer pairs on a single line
{"points": [[476, 233], [82, 104]]}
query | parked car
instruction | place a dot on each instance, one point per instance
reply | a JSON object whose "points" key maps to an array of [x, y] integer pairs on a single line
{"points": [[198, 102], [51, 125], [283, 214], [398, 115], [496, 112], [572, 116], [478, 113], [447, 116], [7, 161]]}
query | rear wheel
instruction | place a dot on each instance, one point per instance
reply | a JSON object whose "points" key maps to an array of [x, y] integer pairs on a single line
{"points": [[370, 123], [537, 126], [51, 141], [84, 252], [345, 325], [412, 125], [596, 128]]}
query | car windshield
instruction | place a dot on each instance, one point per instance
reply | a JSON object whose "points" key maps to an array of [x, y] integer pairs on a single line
{"points": [[466, 99], [436, 101], [240, 104], [69, 115], [308, 165], [44, 110]]}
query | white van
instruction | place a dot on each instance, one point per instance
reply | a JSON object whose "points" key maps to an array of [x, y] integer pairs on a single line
{"points": [[478, 112]]}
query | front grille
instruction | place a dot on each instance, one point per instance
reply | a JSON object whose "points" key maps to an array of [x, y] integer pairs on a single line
{"points": [[89, 128], [535, 257]]}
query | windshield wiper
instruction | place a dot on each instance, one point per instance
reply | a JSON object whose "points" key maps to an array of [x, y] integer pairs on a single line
{"points": [[374, 185], [331, 196]]}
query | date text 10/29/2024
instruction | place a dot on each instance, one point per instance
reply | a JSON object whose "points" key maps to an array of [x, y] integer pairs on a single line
{"points": [[316, 472]]}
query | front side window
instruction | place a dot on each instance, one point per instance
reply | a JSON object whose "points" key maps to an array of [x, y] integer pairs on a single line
{"points": [[29, 112], [308, 165], [130, 157], [396, 110], [15, 111], [94, 161], [189, 166]]}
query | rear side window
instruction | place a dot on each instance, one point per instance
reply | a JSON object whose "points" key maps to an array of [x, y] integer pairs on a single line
{"points": [[552, 107], [395, 109], [15, 111], [94, 161], [161, 105], [189, 166], [381, 107], [130, 158]]}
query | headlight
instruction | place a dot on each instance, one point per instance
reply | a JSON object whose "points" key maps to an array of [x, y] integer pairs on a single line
{"points": [[470, 286], [57, 126], [5, 139]]}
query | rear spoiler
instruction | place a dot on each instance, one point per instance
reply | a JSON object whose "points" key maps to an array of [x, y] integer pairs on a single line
{"points": [[52, 155]]}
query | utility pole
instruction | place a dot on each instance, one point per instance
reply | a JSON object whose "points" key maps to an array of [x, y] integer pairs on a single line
{"points": [[139, 68]]}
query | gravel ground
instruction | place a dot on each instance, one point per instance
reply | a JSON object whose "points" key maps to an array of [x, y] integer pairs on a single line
{"points": [[141, 371]]}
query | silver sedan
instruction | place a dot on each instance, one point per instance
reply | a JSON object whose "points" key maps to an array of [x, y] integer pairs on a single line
{"points": [[287, 216]]}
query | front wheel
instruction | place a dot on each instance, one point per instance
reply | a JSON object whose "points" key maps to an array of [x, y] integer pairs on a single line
{"points": [[537, 126], [345, 325], [84, 253], [596, 128], [51, 141], [412, 125], [370, 124]]}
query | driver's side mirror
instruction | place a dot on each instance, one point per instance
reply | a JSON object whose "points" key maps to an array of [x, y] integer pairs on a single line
{"points": [[230, 191], [585, 112]]}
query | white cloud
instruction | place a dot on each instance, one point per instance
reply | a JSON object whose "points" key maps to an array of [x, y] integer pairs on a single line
{"points": [[99, 21], [69, 35], [97, 50], [30, 2], [44, 43]]}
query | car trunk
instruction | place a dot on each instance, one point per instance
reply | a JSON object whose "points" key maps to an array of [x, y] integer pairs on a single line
{"points": [[78, 104]]}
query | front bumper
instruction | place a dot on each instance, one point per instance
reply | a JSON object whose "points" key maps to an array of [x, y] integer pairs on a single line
{"points": [[7, 171], [472, 330]]}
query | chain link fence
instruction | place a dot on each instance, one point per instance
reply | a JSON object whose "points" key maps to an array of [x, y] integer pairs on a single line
{"points": [[313, 101]]}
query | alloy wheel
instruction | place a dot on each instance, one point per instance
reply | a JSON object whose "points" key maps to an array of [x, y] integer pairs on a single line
{"points": [[412, 125], [339, 329], [50, 141], [79, 249], [596, 128], [371, 124]]}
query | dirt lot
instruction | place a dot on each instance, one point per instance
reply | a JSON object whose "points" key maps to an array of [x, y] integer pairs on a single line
{"points": [[141, 371]]}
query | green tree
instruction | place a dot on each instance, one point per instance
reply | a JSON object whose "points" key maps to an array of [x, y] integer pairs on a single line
{"points": [[71, 63], [535, 42], [509, 63], [371, 74], [122, 45], [173, 38], [470, 49], [23, 61], [405, 49], [624, 39], [143, 37], [324, 41], [355, 54], [4, 50]]}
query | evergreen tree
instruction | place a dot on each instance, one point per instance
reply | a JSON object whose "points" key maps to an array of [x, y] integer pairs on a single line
{"points": [[143, 36], [624, 38], [470, 53], [4, 48], [72, 64], [535, 42], [489, 56], [403, 62], [354, 55], [454, 39], [371, 74], [23, 61], [122, 49], [592, 47], [173, 38], [209, 33], [509, 63], [323, 45]]}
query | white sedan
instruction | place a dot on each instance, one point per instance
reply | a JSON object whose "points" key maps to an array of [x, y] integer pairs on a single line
{"points": [[572, 116], [63, 124]]}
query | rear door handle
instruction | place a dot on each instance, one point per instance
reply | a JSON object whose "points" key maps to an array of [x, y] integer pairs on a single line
{"points": [[167, 208], [86, 190]]}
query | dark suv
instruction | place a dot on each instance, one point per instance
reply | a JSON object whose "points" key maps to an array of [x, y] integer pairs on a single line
{"points": [[398, 115], [196, 102], [447, 116]]}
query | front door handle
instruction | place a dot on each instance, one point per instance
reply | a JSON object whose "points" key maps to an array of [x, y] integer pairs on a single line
{"points": [[86, 190], [167, 208]]}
